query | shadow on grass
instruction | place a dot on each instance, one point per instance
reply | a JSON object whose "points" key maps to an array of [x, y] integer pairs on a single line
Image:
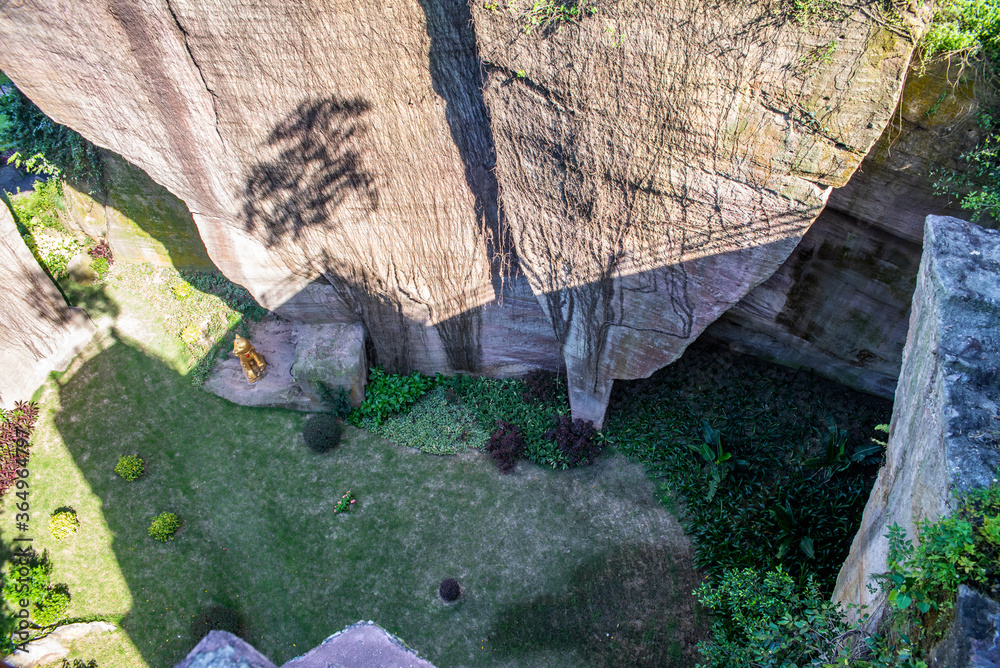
{"points": [[632, 608]]}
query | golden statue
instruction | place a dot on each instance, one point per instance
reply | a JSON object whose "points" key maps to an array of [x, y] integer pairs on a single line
{"points": [[252, 362]]}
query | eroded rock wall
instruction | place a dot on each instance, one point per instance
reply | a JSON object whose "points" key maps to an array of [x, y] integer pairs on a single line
{"points": [[41, 332], [945, 431], [656, 161], [840, 304]]}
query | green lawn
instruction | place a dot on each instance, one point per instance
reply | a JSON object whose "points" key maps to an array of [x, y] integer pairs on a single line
{"points": [[577, 568]]}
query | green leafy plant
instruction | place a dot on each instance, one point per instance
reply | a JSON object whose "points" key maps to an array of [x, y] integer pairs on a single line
{"points": [[834, 458], [100, 266], [791, 533], [49, 147], [63, 523], [52, 607], [435, 424], [130, 467], [548, 15], [766, 620], [969, 26], [715, 458], [345, 503], [961, 548], [164, 526], [808, 12], [388, 393]]}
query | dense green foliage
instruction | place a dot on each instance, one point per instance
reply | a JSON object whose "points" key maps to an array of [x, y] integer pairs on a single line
{"points": [[748, 451], [546, 15], [437, 423], [766, 620], [31, 133], [970, 26], [164, 526], [63, 523], [130, 467], [27, 580], [388, 393], [961, 548], [509, 400]]}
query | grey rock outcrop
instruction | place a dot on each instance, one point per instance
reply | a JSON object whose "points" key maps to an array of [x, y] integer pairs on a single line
{"points": [[650, 176], [974, 638], [40, 332], [945, 431], [360, 645]]}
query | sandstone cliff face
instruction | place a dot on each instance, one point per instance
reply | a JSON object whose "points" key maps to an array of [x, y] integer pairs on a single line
{"points": [[943, 436], [41, 332], [840, 303], [655, 161]]}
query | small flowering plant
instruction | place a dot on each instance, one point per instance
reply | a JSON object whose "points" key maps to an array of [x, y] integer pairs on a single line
{"points": [[345, 503]]}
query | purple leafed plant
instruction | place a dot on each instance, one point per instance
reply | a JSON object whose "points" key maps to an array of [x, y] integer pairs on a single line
{"points": [[575, 439], [505, 445], [16, 427]]}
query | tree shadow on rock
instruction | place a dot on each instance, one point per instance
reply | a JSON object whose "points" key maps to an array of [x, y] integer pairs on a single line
{"points": [[317, 167]]}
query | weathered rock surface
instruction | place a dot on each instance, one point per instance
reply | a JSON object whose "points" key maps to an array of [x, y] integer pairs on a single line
{"points": [[360, 645], [945, 429], [142, 220], [840, 304], [651, 175], [306, 364], [52, 647], [41, 332], [974, 638], [221, 649], [365, 645]]}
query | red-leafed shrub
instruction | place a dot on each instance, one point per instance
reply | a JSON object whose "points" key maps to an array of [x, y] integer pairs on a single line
{"points": [[576, 439], [102, 250], [505, 445], [15, 434]]}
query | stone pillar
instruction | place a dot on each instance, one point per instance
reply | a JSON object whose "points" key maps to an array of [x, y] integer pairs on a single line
{"points": [[945, 430]]}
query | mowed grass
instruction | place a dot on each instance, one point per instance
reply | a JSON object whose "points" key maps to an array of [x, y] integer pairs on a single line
{"points": [[576, 568]]}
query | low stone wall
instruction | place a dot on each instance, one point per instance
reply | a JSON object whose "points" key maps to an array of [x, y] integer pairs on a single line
{"points": [[945, 430]]}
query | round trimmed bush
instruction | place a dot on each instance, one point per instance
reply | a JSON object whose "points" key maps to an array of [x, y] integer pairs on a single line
{"points": [[51, 608], [449, 590], [63, 524], [130, 467], [164, 526], [322, 432]]}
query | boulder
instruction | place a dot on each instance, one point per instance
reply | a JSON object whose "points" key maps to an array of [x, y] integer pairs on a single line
{"points": [[972, 640], [945, 428], [41, 332], [221, 649], [306, 365], [330, 359], [39, 653]]}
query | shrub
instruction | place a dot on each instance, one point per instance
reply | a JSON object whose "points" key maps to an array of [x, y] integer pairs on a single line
{"points": [[16, 427], [164, 527], [322, 432], [766, 620], [965, 25], [505, 445], [63, 524], [961, 548], [100, 267], [102, 251], [502, 399], [27, 578], [130, 467], [388, 393], [78, 663], [52, 607], [576, 439], [449, 590]]}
